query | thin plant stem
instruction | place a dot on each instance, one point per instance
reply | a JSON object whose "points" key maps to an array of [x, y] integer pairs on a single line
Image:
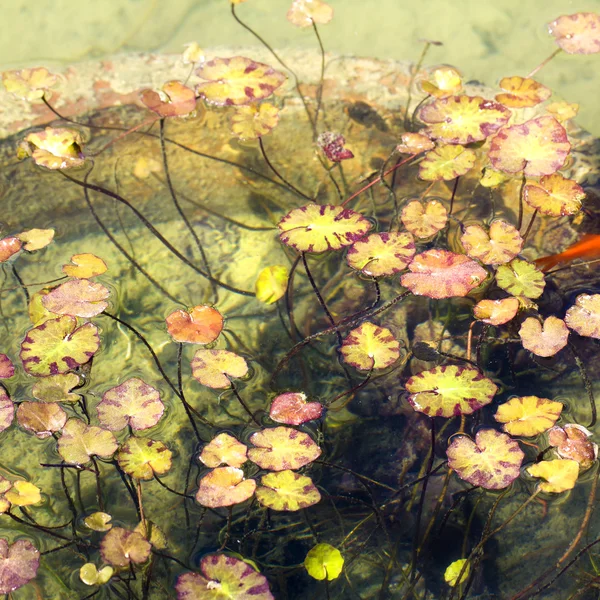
{"points": [[453, 195], [182, 214], [544, 62], [587, 384], [20, 281], [413, 74], [520, 217], [244, 405], [322, 75], [530, 225], [349, 392]]}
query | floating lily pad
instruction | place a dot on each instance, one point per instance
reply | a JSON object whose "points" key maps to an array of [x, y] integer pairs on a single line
{"points": [[23, 493], [200, 325], [7, 369], [578, 33], [90, 575], [499, 245], [56, 388], [19, 563], [448, 391], [381, 254], [213, 368], [54, 148], [281, 448], [287, 491], [442, 82], [253, 121], [452, 575], [446, 162], [521, 278], [492, 178], [224, 449], [496, 312], [414, 143], [572, 441], [133, 404], [424, 220], [271, 283], [85, 266], [7, 410], [544, 339], [78, 298], [324, 561], [237, 80], [29, 84], [333, 146], [563, 111], [537, 147], [463, 119], [224, 486], [58, 345], [36, 239], [120, 547], [528, 415], [584, 316], [521, 92], [442, 274], [142, 458], [303, 13], [318, 228], [98, 521], [292, 408], [79, 442], [223, 577], [492, 461], [176, 100], [41, 418], [554, 195], [560, 475], [370, 347], [9, 246]]}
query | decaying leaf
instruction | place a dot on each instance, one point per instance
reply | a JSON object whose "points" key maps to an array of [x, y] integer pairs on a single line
{"points": [[175, 100], [224, 449], [54, 148], [29, 84], [442, 82], [333, 146], [572, 441], [544, 338], [584, 316], [291, 408], [496, 312], [492, 461], [253, 121], [19, 563], [120, 547]]}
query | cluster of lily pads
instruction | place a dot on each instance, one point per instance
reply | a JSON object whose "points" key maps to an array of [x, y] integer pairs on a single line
{"points": [[422, 249]]}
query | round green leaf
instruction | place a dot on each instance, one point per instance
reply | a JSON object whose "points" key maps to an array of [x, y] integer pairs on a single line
{"points": [[143, 458], [79, 442], [324, 561], [521, 278]]}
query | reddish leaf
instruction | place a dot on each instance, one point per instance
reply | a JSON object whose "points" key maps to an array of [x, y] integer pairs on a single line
{"points": [[224, 449], [381, 254], [332, 145], [9, 246], [7, 369], [584, 316], [578, 33], [134, 403], [424, 221], [179, 100], [78, 298], [442, 274], [19, 563], [572, 442], [500, 244], [292, 408], [281, 448], [121, 547], [7, 410], [522, 92], [496, 312], [201, 325], [224, 486], [414, 143]]}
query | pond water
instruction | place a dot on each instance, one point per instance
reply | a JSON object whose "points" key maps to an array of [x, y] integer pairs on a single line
{"points": [[240, 364]]}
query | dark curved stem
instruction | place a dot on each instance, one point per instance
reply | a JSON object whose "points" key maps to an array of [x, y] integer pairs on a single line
{"points": [[587, 384], [182, 214], [244, 405], [20, 281], [169, 489], [453, 195], [322, 76], [530, 225]]}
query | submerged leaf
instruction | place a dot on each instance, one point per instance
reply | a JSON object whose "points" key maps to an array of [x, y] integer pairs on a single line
{"points": [[452, 574], [79, 442], [224, 449], [323, 561], [179, 100], [370, 347], [202, 324], [572, 441], [224, 486], [78, 298], [584, 316], [56, 388], [213, 368], [271, 283], [446, 162], [444, 81], [317, 228], [54, 148], [492, 461], [560, 475], [292, 408], [414, 143], [237, 80], [554, 195], [58, 345], [578, 33], [120, 547], [442, 274], [19, 563], [29, 84], [537, 147], [7, 369], [381, 254], [333, 146], [282, 448], [223, 577], [546, 338], [521, 92], [134, 403], [528, 415], [448, 391], [463, 119], [287, 491], [142, 458], [42, 419], [9, 246], [521, 278], [253, 121]]}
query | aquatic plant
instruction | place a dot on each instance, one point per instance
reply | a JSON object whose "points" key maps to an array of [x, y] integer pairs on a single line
{"points": [[335, 362]]}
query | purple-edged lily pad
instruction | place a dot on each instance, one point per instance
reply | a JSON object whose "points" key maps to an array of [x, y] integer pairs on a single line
{"points": [[19, 563], [120, 547], [7, 410], [7, 369]]}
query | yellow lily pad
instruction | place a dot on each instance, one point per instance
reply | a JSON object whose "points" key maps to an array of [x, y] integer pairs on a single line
{"points": [[287, 491], [324, 561], [560, 475], [528, 415]]}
